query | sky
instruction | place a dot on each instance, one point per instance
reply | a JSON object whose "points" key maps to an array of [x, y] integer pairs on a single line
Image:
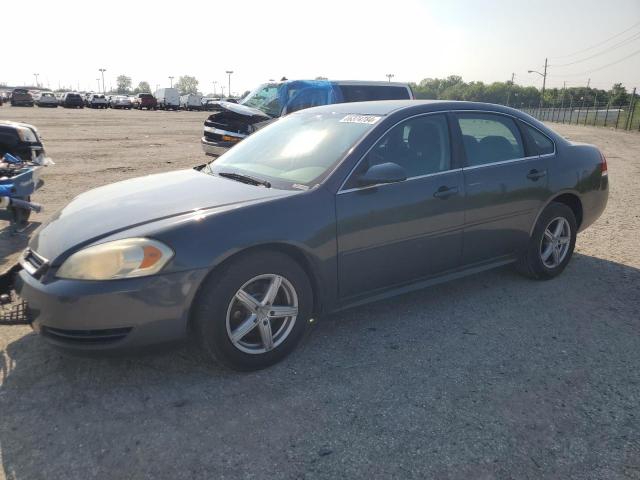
{"points": [[67, 41]]}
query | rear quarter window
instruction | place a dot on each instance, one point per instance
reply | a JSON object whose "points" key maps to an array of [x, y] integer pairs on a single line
{"points": [[543, 143], [365, 93]]}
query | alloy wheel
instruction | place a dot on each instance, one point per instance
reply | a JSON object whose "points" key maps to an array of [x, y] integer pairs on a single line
{"points": [[555, 242], [262, 314]]}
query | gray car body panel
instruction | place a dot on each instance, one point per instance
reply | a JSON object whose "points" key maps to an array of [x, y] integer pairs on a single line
{"points": [[207, 220]]}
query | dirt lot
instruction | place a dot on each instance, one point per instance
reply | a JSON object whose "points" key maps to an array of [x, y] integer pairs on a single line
{"points": [[492, 376]]}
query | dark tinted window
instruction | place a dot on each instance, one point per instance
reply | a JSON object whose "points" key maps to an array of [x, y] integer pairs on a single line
{"points": [[489, 138], [420, 145], [306, 98], [365, 93], [543, 143]]}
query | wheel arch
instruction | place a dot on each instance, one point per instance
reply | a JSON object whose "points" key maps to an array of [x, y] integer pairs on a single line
{"points": [[297, 254], [569, 198]]}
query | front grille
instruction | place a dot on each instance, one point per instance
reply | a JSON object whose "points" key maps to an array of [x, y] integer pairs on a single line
{"points": [[33, 263], [86, 337], [229, 126]]}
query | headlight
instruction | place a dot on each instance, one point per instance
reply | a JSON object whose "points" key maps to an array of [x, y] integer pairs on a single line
{"points": [[128, 258], [27, 135]]}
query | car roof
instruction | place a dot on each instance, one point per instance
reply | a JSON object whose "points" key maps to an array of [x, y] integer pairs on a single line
{"points": [[386, 107]]}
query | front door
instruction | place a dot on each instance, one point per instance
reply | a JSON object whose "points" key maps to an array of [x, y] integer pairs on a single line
{"points": [[393, 234]]}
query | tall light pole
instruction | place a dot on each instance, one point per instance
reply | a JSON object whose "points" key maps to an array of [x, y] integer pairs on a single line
{"points": [[214, 88], [36, 76], [171, 79], [544, 79], [102, 70], [229, 72], [389, 76]]}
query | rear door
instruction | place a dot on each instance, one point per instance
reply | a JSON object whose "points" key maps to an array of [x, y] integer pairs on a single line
{"points": [[505, 182], [393, 234]]}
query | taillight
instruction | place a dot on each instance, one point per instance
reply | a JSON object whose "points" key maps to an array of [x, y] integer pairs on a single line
{"points": [[603, 165]]}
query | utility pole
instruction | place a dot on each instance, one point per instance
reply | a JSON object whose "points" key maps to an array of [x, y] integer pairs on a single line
{"points": [[513, 75], [171, 80], [98, 80], [544, 81], [214, 88], [588, 83], [389, 76], [36, 77], [102, 70], [229, 72]]}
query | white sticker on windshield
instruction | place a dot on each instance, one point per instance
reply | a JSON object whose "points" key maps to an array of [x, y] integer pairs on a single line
{"points": [[370, 119]]}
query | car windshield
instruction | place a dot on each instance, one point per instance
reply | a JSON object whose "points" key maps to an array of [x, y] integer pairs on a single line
{"points": [[266, 98], [298, 149]]}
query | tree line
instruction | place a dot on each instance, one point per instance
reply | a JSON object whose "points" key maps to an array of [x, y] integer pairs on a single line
{"points": [[507, 93]]}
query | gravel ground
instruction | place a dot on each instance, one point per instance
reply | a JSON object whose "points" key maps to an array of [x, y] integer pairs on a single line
{"points": [[492, 376]]}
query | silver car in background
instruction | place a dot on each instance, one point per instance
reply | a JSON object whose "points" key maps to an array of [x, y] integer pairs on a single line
{"points": [[121, 101], [46, 99]]}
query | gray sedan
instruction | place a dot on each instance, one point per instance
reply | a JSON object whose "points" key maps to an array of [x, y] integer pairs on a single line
{"points": [[325, 209]]}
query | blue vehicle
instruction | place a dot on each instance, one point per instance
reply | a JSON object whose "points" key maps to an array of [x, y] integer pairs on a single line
{"points": [[22, 156], [231, 122]]}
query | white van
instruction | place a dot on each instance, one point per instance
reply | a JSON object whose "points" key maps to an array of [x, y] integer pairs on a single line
{"points": [[191, 101], [168, 98]]}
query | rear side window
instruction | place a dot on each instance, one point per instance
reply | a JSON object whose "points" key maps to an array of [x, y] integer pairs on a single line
{"points": [[489, 138], [543, 143], [365, 93]]}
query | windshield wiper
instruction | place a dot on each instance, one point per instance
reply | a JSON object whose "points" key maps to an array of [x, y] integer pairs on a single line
{"points": [[245, 179]]}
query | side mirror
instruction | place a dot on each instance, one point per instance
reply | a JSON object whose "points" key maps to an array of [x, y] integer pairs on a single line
{"points": [[382, 173]]}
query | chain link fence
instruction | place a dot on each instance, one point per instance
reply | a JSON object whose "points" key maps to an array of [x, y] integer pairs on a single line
{"points": [[581, 111]]}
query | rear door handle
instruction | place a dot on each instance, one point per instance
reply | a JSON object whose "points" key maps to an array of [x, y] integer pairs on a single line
{"points": [[445, 192], [536, 174]]}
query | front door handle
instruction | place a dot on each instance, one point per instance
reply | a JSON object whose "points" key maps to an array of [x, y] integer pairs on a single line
{"points": [[536, 174], [445, 192]]}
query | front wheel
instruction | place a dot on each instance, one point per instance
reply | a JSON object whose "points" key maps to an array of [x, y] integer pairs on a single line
{"points": [[552, 243], [253, 312]]}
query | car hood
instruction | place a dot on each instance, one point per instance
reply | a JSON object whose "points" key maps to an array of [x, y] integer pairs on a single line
{"points": [[234, 117], [113, 208]]}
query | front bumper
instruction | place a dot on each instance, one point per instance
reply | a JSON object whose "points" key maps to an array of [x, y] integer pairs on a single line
{"points": [[215, 149], [110, 315]]}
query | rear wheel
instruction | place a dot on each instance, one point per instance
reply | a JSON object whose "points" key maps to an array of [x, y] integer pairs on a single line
{"points": [[253, 312], [552, 243]]}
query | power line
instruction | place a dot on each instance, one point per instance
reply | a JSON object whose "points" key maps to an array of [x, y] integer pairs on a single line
{"points": [[600, 43], [603, 66], [626, 41]]}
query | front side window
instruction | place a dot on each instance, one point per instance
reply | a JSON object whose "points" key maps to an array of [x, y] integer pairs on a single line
{"points": [[420, 145], [489, 138], [300, 148]]}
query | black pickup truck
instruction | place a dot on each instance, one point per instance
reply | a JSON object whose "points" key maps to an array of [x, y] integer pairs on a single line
{"points": [[230, 122]]}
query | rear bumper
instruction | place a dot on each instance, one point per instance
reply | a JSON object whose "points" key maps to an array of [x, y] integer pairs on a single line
{"points": [[117, 315]]}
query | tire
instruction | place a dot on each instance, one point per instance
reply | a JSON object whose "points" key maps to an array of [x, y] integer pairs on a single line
{"points": [[533, 263], [217, 311], [20, 216]]}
